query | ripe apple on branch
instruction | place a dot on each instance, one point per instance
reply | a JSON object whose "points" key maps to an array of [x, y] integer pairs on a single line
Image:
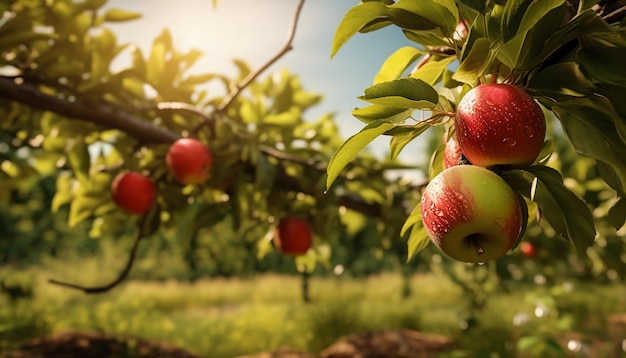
{"points": [[489, 86]]}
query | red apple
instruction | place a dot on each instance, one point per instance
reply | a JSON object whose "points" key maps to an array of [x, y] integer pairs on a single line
{"points": [[293, 236], [189, 161], [471, 213], [499, 124], [527, 249], [452, 153], [133, 192]]}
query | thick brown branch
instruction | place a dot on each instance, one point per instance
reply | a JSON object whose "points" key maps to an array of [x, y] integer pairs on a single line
{"points": [[253, 75], [108, 116]]}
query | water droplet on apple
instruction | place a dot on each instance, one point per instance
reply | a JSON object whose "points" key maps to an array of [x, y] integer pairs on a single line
{"points": [[459, 196], [509, 141], [529, 131], [481, 263], [499, 222], [439, 213]]}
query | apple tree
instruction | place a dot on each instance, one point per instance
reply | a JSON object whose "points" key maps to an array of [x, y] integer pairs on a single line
{"points": [[462, 75], [106, 136], [70, 115]]}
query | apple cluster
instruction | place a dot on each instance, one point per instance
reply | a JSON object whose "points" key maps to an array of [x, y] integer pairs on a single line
{"points": [[468, 210], [189, 162]]}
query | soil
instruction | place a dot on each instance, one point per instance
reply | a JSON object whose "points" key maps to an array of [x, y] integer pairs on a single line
{"points": [[96, 345]]}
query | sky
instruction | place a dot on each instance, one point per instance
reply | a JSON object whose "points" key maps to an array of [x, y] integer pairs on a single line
{"points": [[255, 30]]}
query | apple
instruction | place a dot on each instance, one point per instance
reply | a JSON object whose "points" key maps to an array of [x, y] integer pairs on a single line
{"points": [[471, 213], [527, 249], [452, 153], [133, 192], [499, 124], [189, 161], [293, 236]]}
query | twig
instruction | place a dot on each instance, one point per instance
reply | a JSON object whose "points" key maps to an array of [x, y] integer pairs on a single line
{"points": [[253, 75], [121, 277], [181, 106], [616, 15], [310, 163]]}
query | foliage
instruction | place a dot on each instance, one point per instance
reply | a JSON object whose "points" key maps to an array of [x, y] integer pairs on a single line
{"points": [[72, 116], [565, 53]]}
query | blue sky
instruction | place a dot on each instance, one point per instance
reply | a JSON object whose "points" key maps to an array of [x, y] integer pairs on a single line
{"points": [[254, 30]]}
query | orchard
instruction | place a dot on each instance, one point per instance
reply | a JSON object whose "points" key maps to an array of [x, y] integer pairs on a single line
{"points": [[185, 178]]}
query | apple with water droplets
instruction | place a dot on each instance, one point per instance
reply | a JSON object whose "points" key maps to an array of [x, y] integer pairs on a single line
{"points": [[471, 213], [189, 161], [451, 153], [499, 124], [293, 236], [133, 192]]}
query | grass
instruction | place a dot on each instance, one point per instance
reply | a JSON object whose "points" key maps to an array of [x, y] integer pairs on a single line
{"points": [[230, 317]]}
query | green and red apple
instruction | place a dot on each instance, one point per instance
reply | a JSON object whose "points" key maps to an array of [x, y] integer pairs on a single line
{"points": [[293, 236], [499, 124], [471, 213], [452, 153], [133, 192], [189, 161]]}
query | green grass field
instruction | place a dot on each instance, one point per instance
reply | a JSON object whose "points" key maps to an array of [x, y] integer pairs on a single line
{"points": [[230, 317]]}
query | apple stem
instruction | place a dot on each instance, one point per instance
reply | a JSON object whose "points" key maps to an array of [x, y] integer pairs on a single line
{"points": [[479, 249]]}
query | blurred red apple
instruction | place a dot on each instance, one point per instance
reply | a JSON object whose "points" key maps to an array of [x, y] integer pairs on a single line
{"points": [[499, 124], [189, 161], [527, 249], [293, 236], [133, 192]]}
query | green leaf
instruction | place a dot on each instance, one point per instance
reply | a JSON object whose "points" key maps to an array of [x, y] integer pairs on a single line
{"points": [[535, 12], [352, 146], [425, 15], [402, 93], [617, 214], [432, 71], [119, 15], [604, 64], [436, 164], [356, 19], [512, 17], [593, 133], [475, 63], [399, 141], [418, 239], [519, 16], [478, 5], [567, 213], [375, 112], [81, 208], [63, 194], [561, 79], [586, 22], [395, 65], [78, 157]]}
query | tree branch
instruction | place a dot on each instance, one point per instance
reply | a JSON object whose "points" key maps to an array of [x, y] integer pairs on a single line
{"points": [[253, 75], [106, 115], [121, 277], [616, 15]]}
